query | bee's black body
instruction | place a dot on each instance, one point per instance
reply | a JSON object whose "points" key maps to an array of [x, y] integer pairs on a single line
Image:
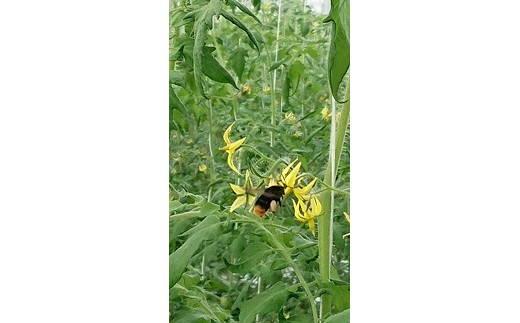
{"points": [[265, 201]]}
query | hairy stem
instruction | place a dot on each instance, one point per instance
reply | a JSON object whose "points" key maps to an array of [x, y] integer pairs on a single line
{"points": [[283, 251], [325, 221]]}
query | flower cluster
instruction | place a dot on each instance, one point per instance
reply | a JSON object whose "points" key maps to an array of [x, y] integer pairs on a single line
{"points": [[308, 206]]}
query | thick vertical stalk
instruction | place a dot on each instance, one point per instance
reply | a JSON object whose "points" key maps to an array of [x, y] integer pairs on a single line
{"points": [[325, 220], [273, 99], [277, 35], [273, 79], [210, 144]]}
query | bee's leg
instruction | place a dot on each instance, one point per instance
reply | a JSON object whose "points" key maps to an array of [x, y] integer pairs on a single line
{"points": [[272, 208]]}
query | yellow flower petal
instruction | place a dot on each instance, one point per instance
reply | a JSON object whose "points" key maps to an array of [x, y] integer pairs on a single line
{"points": [[231, 165], [238, 202], [301, 193], [311, 226], [251, 199], [234, 146], [290, 180], [226, 134], [237, 189], [315, 206], [297, 214], [288, 168]]}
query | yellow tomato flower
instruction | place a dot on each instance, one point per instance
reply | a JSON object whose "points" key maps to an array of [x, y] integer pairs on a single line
{"points": [[290, 117], [266, 7], [301, 193], [325, 115], [273, 182], [244, 193], [231, 147], [305, 213], [289, 180], [246, 89], [203, 168], [266, 89]]}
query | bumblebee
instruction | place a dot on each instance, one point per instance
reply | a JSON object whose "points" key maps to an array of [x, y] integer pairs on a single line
{"points": [[268, 200]]}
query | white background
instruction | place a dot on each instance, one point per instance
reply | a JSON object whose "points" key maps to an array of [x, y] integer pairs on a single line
{"points": [[84, 161]]}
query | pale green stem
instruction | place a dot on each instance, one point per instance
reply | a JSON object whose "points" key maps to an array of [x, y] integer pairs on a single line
{"points": [[273, 79], [210, 143], [282, 249], [258, 290], [257, 152], [325, 221], [273, 99], [277, 36]]}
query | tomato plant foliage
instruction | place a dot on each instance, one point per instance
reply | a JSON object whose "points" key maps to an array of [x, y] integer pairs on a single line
{"points": [[225, 69]]}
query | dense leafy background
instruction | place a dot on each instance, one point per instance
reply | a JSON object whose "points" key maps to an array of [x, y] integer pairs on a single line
{"points": [[222, 59]]}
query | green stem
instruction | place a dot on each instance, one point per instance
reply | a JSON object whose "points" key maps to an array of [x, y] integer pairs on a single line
{"points": [[273, 98], [266, 224], [328, 187], [210, 143], [257, 152], [282, 249], [325, 221]]}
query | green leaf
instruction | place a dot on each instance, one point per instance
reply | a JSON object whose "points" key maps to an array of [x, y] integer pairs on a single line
{"points": [[236, 247], [203, 23], [311, 52], [268, 301], [209, 208], [177, 18], [212, 68], [249, 258], [211, 252], [305, 28], [244, 9], [177, 78], [295, 73], [233, 19], [241, 295], [277, 64], [180, 258], [343, 317], [175, 103], [190, 315], [256, 4], [339, 53], [296, 70], [238, 61], [341, 297]]}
